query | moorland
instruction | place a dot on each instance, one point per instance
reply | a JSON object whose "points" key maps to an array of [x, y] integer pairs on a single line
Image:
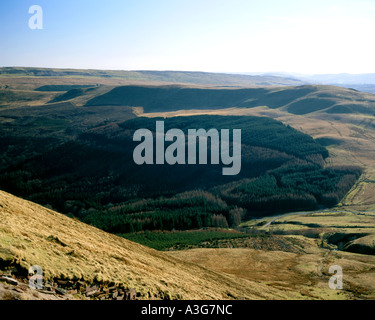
{"points": [[302, 201]]}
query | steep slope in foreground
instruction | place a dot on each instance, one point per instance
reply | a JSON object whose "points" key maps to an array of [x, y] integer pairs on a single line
{"points": [[68, 249]]}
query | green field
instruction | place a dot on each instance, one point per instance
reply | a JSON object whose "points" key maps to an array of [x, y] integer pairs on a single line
{"points": [[181, 239]]}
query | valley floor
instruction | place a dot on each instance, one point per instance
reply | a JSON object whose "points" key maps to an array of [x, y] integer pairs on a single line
{"points": [[306, 274]]}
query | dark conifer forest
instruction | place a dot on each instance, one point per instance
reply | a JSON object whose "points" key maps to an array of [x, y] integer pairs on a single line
{"points": [[93, 176]]}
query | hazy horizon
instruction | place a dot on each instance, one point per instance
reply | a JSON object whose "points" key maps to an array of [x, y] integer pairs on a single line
{"points": [[272, 73], [304, 37]]}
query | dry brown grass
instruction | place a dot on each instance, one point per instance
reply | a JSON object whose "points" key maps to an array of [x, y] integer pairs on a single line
{"points": [[31, 83], [308, 273], [305, 274], [66, 248]]}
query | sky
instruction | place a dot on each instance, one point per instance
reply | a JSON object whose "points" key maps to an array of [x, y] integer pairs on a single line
{"points": [[295, 36]]}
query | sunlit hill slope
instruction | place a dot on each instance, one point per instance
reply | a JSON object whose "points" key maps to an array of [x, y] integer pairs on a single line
{"points": [[68, 249]]}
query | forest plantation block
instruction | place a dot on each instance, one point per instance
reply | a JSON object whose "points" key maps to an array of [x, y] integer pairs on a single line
{"points": [[175, 153]]}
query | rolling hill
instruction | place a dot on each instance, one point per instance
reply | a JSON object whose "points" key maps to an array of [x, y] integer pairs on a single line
{"points": [[185, 77], [79, 154], [66, 142], [92, 175], [298, 100], [68, 250], [97, 264]]}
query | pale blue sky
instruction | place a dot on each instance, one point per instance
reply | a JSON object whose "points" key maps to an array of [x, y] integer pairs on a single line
{"points": [[330, 36]]}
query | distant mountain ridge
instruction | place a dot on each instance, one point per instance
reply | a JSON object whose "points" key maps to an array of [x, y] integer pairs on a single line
{"points": [[188, 77], [363, 82]]}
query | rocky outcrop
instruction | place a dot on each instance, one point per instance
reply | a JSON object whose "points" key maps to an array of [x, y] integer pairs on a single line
{"points": [[17, 288]]}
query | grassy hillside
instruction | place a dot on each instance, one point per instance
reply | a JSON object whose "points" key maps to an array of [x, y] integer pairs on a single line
{"points": [[61, 87], [73, 155], [298, 100], [23, 97], [68, 249], [306, 273]]}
